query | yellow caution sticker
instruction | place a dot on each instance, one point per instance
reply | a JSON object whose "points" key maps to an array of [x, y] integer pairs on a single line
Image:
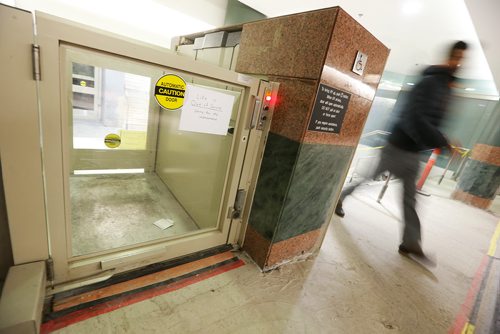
{"points": [[112, 140], [169, 91]]}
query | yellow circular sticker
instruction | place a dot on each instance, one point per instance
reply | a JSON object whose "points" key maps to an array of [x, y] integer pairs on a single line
{"points": [[112, 140], [169, 91]]}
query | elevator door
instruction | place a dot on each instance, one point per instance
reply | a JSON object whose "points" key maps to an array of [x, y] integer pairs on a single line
{"points": [[129, 182], [136, 174]]}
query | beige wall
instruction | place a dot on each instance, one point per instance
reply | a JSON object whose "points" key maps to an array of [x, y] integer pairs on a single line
{"points": [[5, 248]]}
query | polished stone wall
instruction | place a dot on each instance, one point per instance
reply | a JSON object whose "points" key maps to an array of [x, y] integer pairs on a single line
{"points": [[303, 171], [291, 46], [480, 179]]}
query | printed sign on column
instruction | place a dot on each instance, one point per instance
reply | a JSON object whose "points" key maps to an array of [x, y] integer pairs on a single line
{"points": [[169, 91], [329, 109], [206, 111]]}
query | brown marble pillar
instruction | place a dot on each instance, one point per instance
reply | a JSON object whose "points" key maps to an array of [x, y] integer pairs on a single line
{"points": [[480, 179], [303, 168]]}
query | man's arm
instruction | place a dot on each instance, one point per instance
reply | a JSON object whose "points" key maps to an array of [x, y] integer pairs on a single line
{"points": [[424, 101]]}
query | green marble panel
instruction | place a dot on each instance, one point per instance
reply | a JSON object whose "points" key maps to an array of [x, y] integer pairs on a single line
{"points": [[275, 175], [317, 179], [480, 179]]}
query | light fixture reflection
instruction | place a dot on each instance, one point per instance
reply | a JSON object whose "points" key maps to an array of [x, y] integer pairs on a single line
{"points": [[411, 7]]}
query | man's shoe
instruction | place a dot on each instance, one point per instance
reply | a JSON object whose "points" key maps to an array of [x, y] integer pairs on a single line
{"points": [[403, 250], [339, 211]]}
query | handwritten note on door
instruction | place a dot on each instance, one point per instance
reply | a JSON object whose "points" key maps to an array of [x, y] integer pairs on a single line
{"points": [[206, 111]]}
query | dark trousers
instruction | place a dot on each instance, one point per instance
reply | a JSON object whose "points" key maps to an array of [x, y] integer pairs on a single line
{"points": [[404, 165]]}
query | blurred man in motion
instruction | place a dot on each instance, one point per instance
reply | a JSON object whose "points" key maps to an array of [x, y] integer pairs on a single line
{"points": [[417, 129]]}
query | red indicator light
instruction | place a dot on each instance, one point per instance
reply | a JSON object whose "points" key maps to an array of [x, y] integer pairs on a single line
{"points": [[268, 98]]}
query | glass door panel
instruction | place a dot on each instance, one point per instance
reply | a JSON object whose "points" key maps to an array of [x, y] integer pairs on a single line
{"points": [[134, 176], [194, 165], [109, 102]]}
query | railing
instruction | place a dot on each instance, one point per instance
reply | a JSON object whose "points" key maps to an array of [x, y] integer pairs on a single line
{"points": [[375, 132], [461, 153], [366, 135]]}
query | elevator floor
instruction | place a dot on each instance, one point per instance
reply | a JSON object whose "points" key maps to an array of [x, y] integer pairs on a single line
{"points": [[116, 210]]}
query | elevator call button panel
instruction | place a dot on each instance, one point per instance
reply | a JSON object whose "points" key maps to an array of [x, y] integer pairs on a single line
{"points": [[266, 102]]}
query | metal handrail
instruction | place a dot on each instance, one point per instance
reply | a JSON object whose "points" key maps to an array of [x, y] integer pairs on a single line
{"points": [[457, 151], [375, 132]]}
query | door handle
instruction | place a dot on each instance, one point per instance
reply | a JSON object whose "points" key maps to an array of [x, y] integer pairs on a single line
{"points": [[256, 112]]}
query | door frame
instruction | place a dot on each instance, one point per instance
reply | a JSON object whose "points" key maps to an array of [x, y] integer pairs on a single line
{"points": [[51, 33], [20, 152]]}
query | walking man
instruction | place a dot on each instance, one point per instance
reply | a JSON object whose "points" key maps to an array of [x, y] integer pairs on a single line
{"points": [[417, 129]]}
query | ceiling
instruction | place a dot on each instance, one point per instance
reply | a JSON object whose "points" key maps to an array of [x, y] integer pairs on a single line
{"points": [[484, 14], [418, 32], [149, 21]]}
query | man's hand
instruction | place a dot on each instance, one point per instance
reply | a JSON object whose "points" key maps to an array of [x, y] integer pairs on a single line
{"points": [[455, 146]]}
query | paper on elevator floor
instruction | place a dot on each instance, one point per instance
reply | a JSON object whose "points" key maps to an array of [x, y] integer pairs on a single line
{"points": [[164, 223]]}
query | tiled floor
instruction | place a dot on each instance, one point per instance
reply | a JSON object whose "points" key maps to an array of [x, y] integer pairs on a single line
{"points": [[358, 283]]}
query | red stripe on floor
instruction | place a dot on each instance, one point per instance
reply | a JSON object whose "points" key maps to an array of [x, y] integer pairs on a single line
{"points": [[465, 310], [119, 302], [140, 282]]}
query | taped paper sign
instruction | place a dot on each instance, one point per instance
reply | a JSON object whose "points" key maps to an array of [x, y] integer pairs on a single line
{"points": [[133, 140], [206, 111]]}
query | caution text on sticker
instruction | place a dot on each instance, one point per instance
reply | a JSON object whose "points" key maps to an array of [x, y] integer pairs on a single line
{"points": [[169, 92]]}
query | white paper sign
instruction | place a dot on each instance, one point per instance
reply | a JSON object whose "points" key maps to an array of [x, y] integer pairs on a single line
{"points": [[206, 111]]}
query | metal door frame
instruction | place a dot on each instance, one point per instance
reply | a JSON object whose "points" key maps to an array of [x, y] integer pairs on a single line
{"points": [[20, 138], [52, 32], [32, 109]]}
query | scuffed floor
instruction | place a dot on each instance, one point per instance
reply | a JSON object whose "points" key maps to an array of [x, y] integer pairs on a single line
{"points": [[115, 210], [358, 283]]}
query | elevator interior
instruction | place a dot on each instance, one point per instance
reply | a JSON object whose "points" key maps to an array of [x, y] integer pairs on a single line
{"points": [[157, 173]]}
